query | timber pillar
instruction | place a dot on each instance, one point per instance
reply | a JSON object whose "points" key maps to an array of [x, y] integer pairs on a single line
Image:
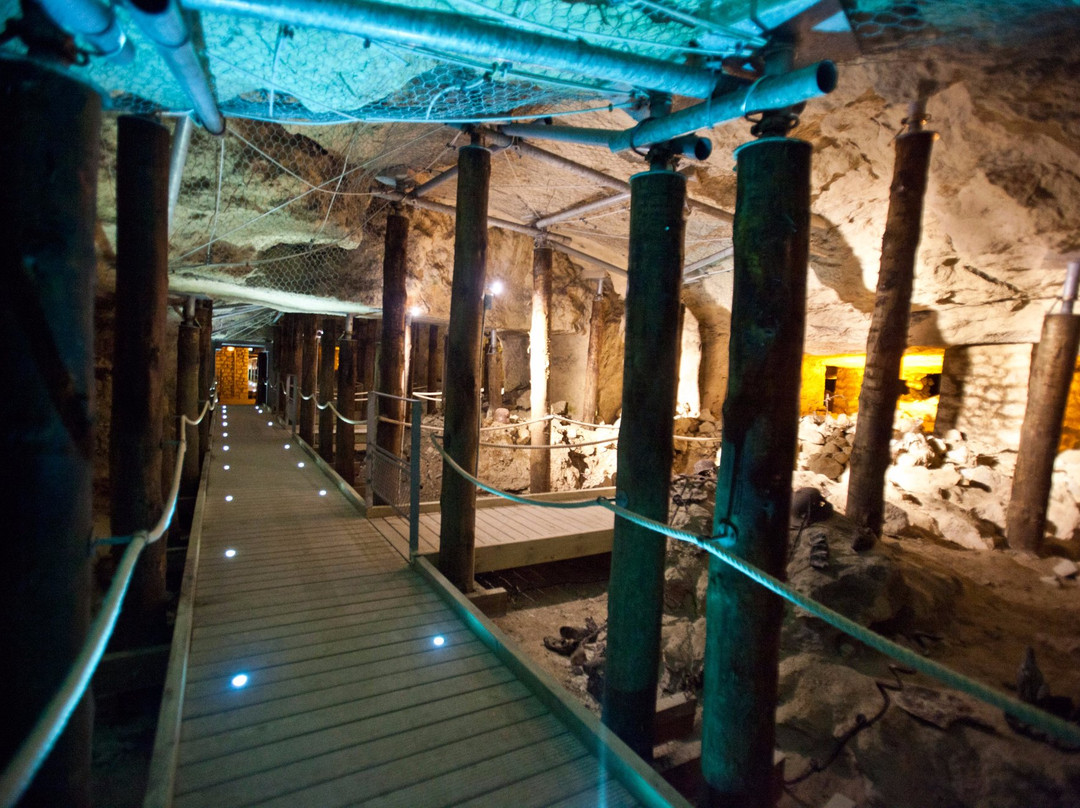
{"points": [[434, 367], [590, 399], [327, 352], [650, 379], [187, 398], [204, 316], [47, 267], [309, 352], [345, 443], [887, 340], [540, 371], [753, 491], [392, 347], [135, 440], [1053, 364], [457, 531]]}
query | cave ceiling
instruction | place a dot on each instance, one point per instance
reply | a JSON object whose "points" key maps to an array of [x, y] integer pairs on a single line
{"points": [[325, 129]]}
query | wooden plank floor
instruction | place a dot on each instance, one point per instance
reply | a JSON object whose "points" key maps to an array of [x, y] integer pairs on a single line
{"points": [[514, 535], [348, 699]]}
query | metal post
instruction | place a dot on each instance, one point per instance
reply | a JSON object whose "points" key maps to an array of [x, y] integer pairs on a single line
{"points": [[46, 420], [392, 345], [327, 348], [457, 531], [142, 284], [539, 370], [650, 381], [414, 478], [181, 143], [187, 396], [887, 339], [309, 353], [345, 462], [753, 492], [1053, 365], [590, 400]]}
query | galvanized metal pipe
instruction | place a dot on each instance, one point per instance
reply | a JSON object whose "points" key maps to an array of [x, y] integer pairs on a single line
{"points": [[424, 27], [95, 23], [582, 209], [768, 92], [592, 259], [181, 143], [165, 26]]}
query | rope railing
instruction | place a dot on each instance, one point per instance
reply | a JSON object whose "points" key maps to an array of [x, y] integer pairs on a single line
{"points": [[39, 743], [715, 546]]}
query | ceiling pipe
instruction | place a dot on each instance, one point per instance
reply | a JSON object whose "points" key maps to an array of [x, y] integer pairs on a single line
{"points": [[95, 24], [708, 261], [582, 210], [456, 33], [163, 23], [440, 179], [449, 210], [181, 142], [592, 259], [768, 92]]}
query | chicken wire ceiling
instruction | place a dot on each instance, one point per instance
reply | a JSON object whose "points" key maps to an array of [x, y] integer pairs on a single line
{"points": [[321, 122]]}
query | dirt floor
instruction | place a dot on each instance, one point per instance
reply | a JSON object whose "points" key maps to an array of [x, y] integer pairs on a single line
{"points": [[1002, 603]]}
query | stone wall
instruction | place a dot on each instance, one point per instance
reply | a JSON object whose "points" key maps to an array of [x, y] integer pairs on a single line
{"points": [[231, 371]]}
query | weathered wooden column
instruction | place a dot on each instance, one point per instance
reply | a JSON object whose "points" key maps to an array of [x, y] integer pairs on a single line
{"points": [[187, 397], [650, 380], [204, 316], [1053, 364], [327, 348], [142, 285], [590, 399], [887, 340], [273, 367], [309, 353], [418, 357], [46, 419], [435, 366], [539, 370], [496, 374], [283, 365], [753, 491], [457, 531], [392, 345], [345, 461]]}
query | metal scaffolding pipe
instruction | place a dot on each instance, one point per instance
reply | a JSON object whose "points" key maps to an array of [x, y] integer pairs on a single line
{"points": [[592, 259], [95, 23], [709, 260], [768, 92], [181, 143], [582, 209], [165, 26], [441, 30]]}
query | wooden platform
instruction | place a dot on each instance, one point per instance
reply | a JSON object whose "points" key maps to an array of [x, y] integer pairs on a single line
{"points": [[512, 535], [368, 681]]}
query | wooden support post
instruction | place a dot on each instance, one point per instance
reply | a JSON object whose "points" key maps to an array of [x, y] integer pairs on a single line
{"points": [[309, 362], [434, 367], [590, 399], [345, 462], [650, 382], [392, 345], [274, 367], [327, 350], [753, 491], [495, 377], [887, 339], [142, 285], [204, 316], [418, 357], [540, 370], [457, 530], [368, 361], [46, 418], [1053, 364], [187, 397], [262, 373], [285, 365]]}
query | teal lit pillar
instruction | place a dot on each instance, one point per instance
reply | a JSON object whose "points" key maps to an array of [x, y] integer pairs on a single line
{"points": [[753, 492], [650, 382]]}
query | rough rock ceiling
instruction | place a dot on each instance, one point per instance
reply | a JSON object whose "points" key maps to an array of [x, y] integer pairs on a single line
{"points": [[285, 208]]}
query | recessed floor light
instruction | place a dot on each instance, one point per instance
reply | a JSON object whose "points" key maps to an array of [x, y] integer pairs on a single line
{"points": [[438, 641], [224, 448], [230, 553], [226, 467], [239, 680], [228, 498], [322, 493], [300, 465]]}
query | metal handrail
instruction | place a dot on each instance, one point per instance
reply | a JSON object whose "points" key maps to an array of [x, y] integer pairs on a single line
{"points": [[39, 743], [413, 466]]}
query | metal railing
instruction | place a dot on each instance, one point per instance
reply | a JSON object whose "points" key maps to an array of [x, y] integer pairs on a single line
{"points": [[39, 743], [394, 479]]}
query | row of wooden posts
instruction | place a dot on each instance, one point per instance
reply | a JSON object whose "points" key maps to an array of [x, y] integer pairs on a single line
{"points": [[46, 334]]}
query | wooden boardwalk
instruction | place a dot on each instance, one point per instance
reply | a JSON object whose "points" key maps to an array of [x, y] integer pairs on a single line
{"points": [[368, 682], [511, 535]]}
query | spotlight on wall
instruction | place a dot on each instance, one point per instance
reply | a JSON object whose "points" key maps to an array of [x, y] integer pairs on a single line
{"points": [[415, 311], [496, 287]]}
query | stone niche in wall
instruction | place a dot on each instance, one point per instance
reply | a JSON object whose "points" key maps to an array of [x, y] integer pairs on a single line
{"points": [[984, 395], [231, 371]]}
